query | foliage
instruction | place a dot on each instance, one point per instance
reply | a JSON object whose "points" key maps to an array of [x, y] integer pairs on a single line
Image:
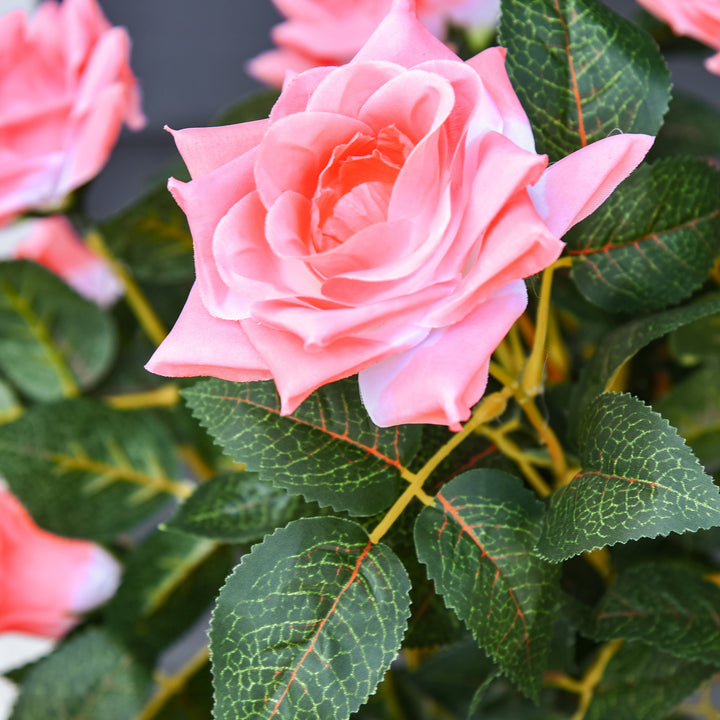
{"points": [[317, 538]]}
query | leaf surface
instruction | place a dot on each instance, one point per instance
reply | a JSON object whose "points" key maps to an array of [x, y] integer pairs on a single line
{"points": [[89, 676], [85, 470], [53, 343], [328, 450], [664, 605], [638, 479], [619, 345], [582, 72], [653, 242], [477, 543], [238, 507], [307, 624], [642, 683]]}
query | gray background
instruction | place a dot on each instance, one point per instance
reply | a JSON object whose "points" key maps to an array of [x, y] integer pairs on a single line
{"points": [[190, 55]]}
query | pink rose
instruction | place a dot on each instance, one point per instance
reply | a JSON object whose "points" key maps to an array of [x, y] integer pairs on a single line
{"points": [[698, 19], [65, 90], [327, 32], [53, 242], [380, 222], [47, 581]]}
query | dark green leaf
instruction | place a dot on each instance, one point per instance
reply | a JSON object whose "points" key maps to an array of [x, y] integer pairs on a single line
{"points": [[477, 543], [693, 407], [90, 676], [638, 479], [193, 701], [238, 508], [696, 341], [654, 241], [328, 450], [169, 581], [618, 346], [664, 605], [152, 238], [642, 683], [85, 470], [582, 72], [53, 343], [307, 624], [692, 127], [255, 107]]}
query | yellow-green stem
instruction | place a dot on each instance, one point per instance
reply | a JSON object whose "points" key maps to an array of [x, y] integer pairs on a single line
{"points": [[532, 377], [492, 406], [135, 297], [165, 396], [168, 686]]}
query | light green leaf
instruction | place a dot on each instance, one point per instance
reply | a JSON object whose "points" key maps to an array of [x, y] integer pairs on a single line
{"points": [[477, 543], [638, 479], [307, 624], [85, 470], [53, 343]]}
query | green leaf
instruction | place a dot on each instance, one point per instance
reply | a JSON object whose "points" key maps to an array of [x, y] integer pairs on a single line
{"points": [[238, 507], [477, 543], [85, 470], [169, 581], [638, 479], [328, 450], [89, 676], [152, 238], [696, 341], [53, 343], [307, 624], [618, 346], [692, 127], [582, 72], [653, 242], [693, 407], [664, 605], [642, 683], [254, 107], [10, 407]]}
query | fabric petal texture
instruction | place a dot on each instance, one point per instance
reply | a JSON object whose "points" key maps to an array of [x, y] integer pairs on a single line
{"points": [[46, 581], [67, 89], [380, 222]]}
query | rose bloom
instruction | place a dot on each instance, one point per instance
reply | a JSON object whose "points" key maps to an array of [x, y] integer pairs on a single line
{"points": [[65, 90], [379, 222], [47, 581], [53, 243], [698, 19], [327, 32]]}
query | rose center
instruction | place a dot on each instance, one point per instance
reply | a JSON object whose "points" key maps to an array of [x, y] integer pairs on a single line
{"points": [[355, 187]]}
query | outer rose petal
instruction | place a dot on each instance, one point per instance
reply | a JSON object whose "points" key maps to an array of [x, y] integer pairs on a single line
{"points": [[442, 378], [272, 67], [46, 580], [577, 185], [206, 149], [200, 344]]}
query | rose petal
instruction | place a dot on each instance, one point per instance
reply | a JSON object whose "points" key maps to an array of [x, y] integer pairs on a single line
{"points": [[298, 372], [200, 344], [569, 191], [401, 38], [439, 380], [206, 149]]}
